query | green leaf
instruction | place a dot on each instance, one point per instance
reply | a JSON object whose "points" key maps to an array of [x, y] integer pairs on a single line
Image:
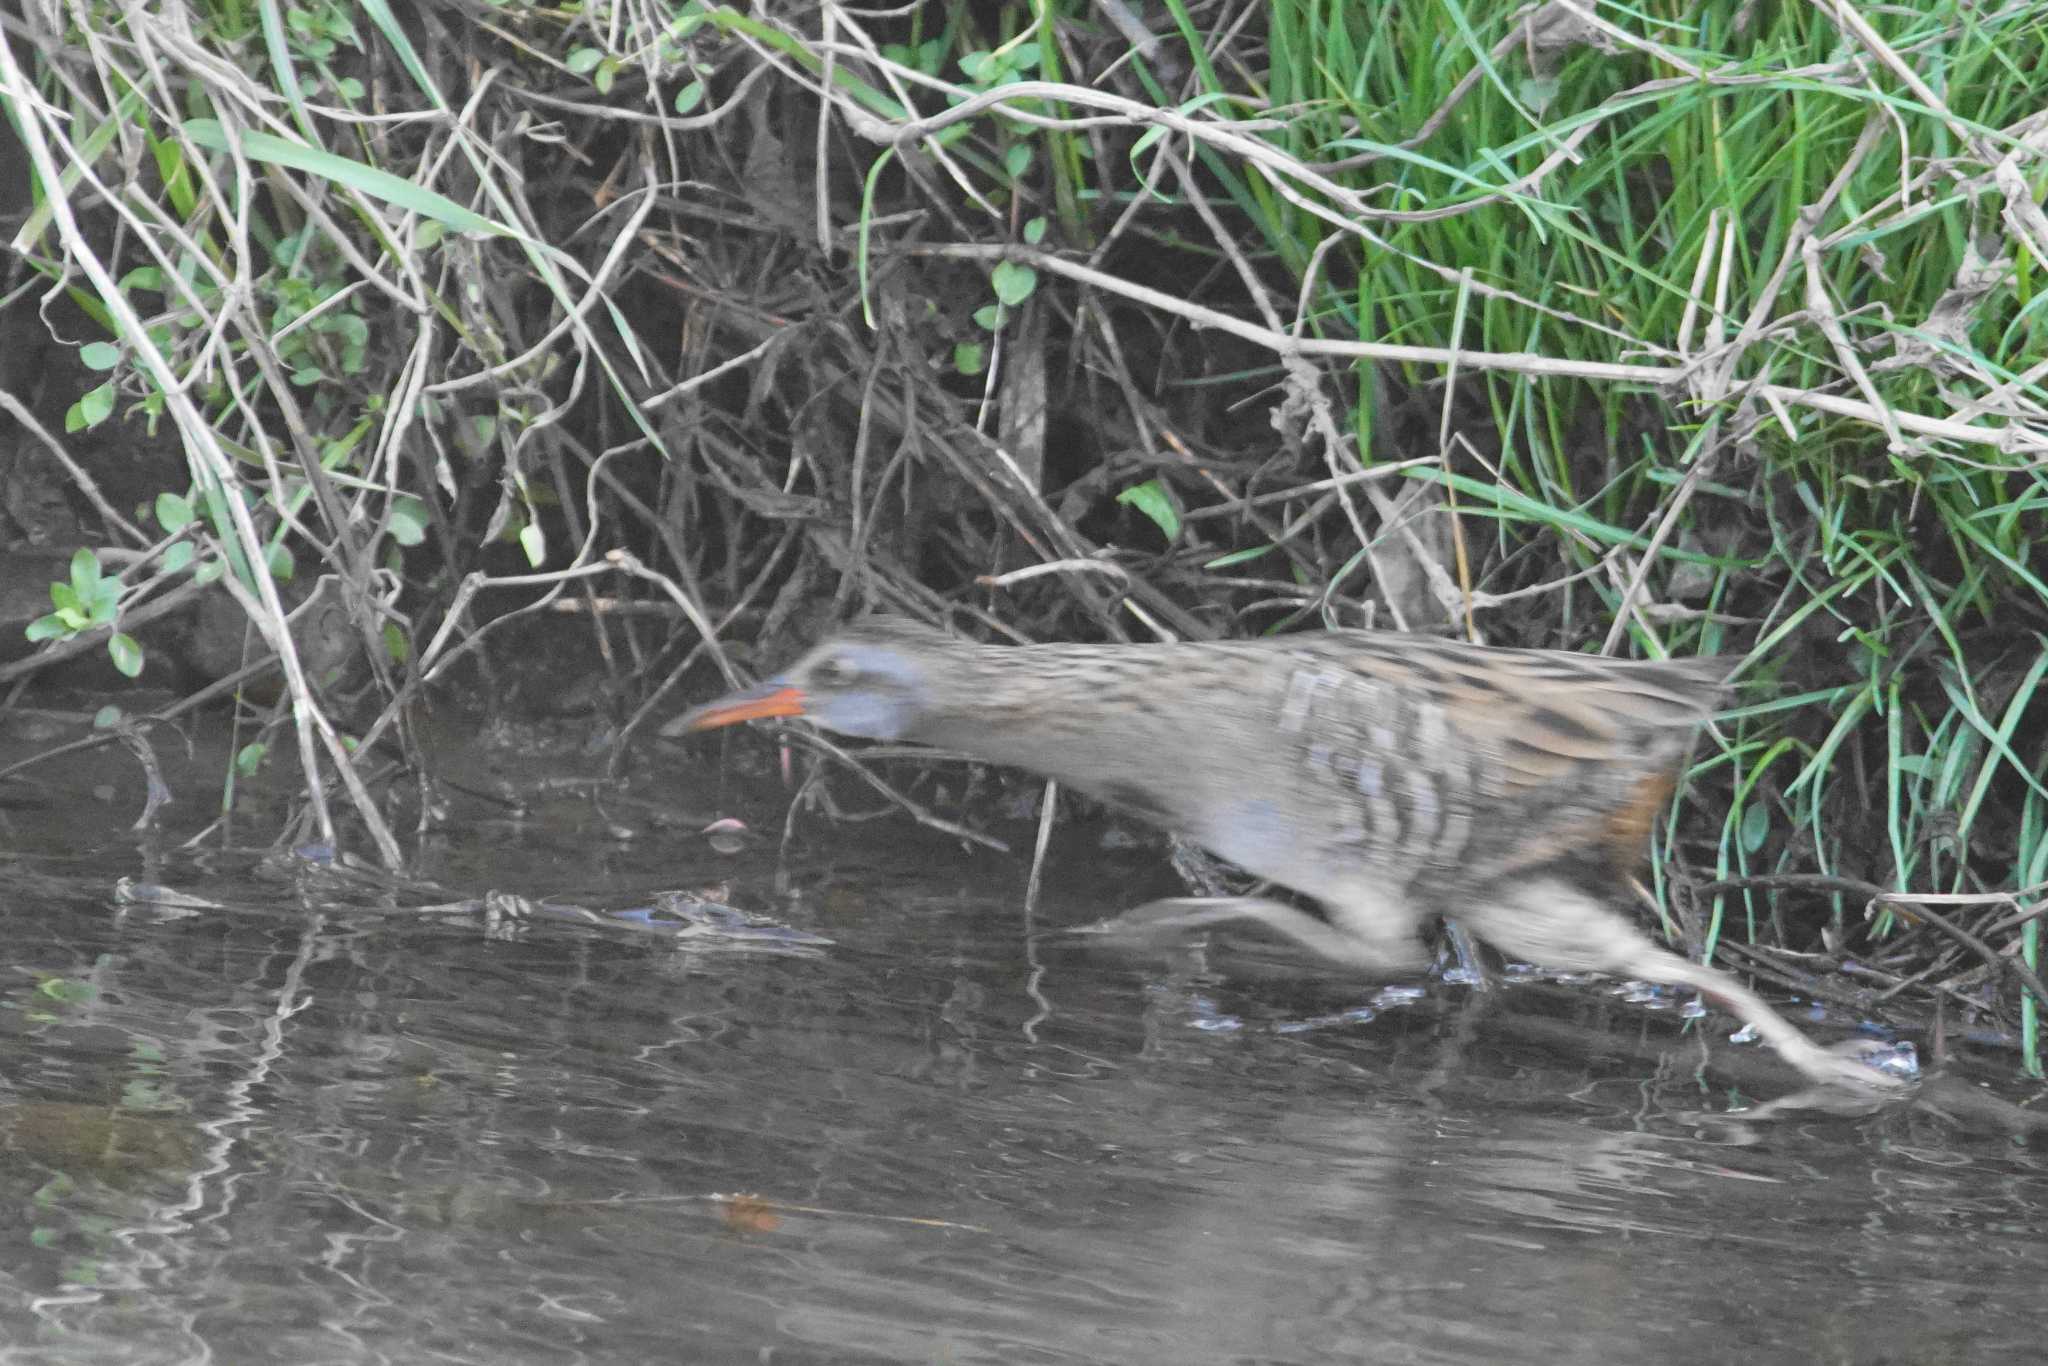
{"points": [[395, 643], [208, 571], [1239, 557], [250, 757], [977, 66], [105, 601], [1017, 160], [379, 184], [85, 572], [173, 511], [283, 564], [970, 358], [688, 20], [1034, 230], [106, 718], [689, 97], [1756, 827], [96, 405], [991, 316], [66, 990], [51, 627], [1013, 282], [584, 60], [178, 556], [534, 542], [126, 654], [1152, 499], [408, 520], [337, 25], [352, 328], [99, 355]]}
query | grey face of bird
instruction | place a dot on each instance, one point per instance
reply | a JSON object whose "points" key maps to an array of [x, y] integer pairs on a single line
{"points": [[870, 689], [864, 689]]}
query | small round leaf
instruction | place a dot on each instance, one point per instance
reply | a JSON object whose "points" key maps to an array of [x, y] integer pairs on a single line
{"points": [[126, 654], [1013, 282], [1756, 827], [96, 405], [85, 571], [173, 511], [408, 521]]}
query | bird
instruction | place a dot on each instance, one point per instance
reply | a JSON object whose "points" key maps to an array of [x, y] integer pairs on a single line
{"points": [[1388, 777]]}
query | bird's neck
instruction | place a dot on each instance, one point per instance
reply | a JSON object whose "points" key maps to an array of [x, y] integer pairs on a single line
{"points": [[1088, 717]]}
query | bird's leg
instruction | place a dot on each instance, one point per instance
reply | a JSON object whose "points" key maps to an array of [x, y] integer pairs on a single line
{"points": [[1204, 873], [1821, 1064], [1553, 924], [1469, 971], [1362, 941]]}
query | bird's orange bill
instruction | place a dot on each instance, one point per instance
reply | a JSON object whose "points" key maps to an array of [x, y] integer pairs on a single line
{"points": [[751, 704]]}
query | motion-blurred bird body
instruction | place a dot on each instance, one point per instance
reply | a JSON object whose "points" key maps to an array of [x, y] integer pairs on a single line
{"points": [[1390, 777]]}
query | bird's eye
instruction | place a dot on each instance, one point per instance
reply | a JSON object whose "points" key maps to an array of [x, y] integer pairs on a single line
{"points": [[837, 672]]}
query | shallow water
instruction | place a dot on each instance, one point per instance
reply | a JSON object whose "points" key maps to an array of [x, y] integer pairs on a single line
{"points": [[256, 1110]]}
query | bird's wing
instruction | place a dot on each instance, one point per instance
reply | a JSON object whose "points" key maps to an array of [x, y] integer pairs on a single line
{"points": [[1541, 713], [1456, 756]]}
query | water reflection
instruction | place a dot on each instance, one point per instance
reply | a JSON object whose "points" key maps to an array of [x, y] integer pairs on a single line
{"points": [[871, 1120]]}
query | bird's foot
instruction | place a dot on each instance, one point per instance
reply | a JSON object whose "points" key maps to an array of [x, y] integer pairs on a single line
{"points": [[1383, 954], [1157, 920], [1864, 1065]]}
